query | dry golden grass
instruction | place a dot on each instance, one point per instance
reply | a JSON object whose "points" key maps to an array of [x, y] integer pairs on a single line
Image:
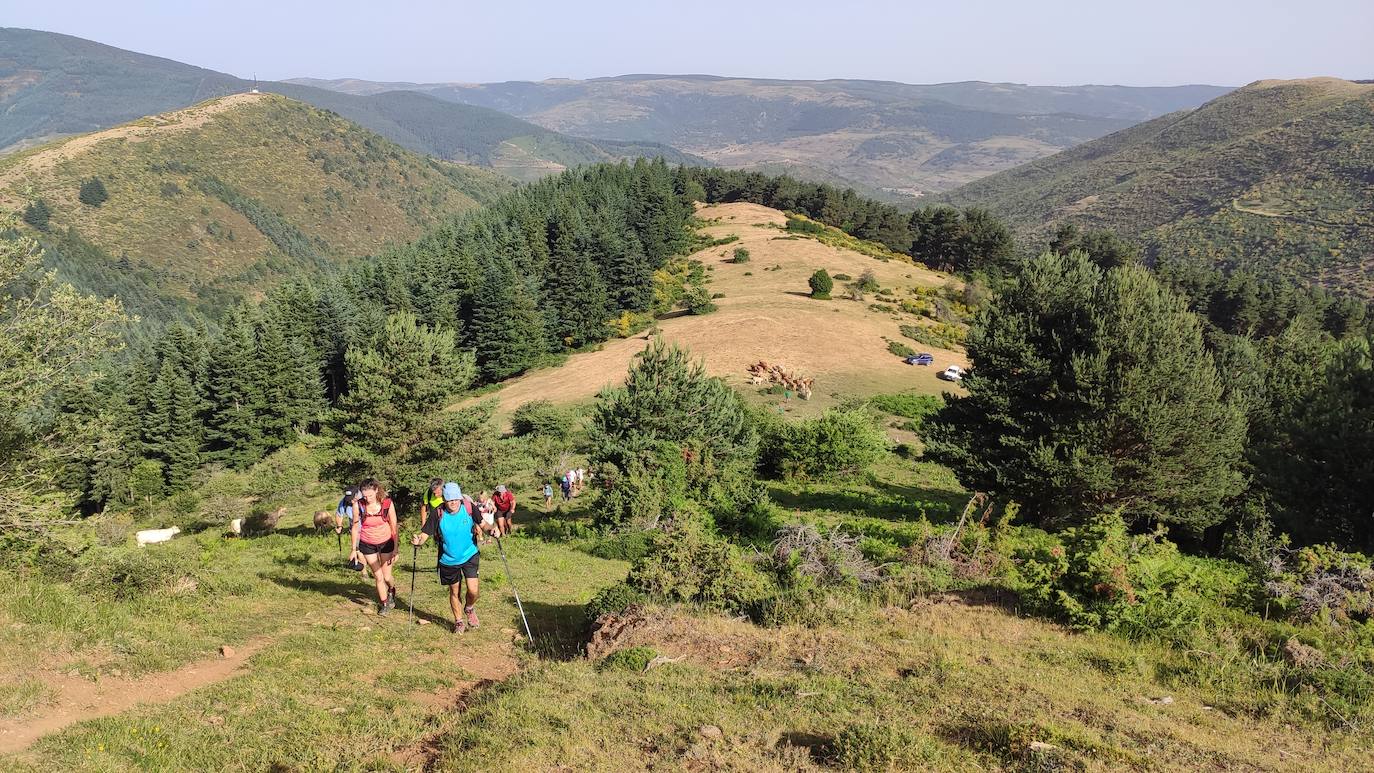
{"points": [[766, 315]]}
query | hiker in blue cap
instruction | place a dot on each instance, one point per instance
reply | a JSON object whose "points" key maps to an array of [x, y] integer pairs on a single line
{"points": [[456, 528]]}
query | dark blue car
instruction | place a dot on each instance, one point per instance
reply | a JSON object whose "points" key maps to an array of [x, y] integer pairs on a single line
{"points": [[920, 359]]}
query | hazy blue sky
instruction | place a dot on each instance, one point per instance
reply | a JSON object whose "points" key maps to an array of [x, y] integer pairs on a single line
{"points": [[1048, 42]]}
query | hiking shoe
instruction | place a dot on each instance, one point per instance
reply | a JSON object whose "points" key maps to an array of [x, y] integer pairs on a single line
{"points": [[382, 609], [472, 617], [459, 627], [391, 597]]}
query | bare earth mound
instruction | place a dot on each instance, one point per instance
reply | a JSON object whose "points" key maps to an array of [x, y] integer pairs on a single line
{"points": [[767, 315]]}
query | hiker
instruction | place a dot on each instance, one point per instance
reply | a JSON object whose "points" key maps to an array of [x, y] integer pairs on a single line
{"points": [[343, 514], [548, 496], [581, 479], [566, 486], [505, 510], [433, 498], [455, 535], [487, 509], [374, 539]]}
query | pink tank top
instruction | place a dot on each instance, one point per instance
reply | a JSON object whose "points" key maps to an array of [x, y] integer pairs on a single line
{"points": [[376, 527]]}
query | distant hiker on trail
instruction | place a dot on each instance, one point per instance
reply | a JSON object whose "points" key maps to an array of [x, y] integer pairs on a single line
{"points": [[581, 478], [374, 540], [487, 509], [566, 485], [455, 534], [548, 496], [505, 510]]}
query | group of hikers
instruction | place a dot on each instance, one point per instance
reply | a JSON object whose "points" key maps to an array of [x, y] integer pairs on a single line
{"points": [[456, 523], [458, 526]]}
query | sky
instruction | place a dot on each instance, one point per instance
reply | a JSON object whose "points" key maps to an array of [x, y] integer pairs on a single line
{"points": [[1041, 42]]}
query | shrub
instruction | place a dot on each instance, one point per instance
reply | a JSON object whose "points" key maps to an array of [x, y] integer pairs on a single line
{"points": [[884, 746], [841, 442], [635, 659], [285, 472], [842, 277], [697, 301], [900, 349], [93, 192], [133, 573], [941, 336], [37, 214], [821, 285], [1321, 583], [613, 599], [540, 417], [868, 282], [915, 407], [741, 255], [689, 565]]}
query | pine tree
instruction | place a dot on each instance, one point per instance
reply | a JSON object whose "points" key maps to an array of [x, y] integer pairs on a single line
{"points": [[272, 371], [37, 214], [232, 432], [574, 293], [507, 329], [92, 192], [391, 422], [1090, 391], [173, 428]]}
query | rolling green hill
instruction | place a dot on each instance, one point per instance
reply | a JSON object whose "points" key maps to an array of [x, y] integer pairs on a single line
{"points": [[54, 85], [226, 197], [1274, 176], [901, 139]]}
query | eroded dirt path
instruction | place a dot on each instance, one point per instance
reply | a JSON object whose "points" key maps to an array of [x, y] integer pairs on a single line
{"points": [[79, 699]]}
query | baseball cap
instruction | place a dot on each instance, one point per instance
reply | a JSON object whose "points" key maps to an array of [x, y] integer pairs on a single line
{"points": [[452, 492]]}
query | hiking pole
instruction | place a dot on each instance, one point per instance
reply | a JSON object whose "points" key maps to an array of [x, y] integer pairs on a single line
{"points": [[414, 562], [510, 577]]}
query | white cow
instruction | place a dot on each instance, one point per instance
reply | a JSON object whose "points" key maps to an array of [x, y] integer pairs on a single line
{"points": [[154, 536]]}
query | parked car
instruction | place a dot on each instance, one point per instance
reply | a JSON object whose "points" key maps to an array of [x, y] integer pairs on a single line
{"points": [[952, 373], [920, 359]]}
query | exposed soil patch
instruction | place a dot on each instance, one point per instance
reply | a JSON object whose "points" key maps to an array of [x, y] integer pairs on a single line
{"points": [[79, 699]]}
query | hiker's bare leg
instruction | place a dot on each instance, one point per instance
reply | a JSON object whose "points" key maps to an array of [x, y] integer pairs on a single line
{"points": [[455, 601], [377, 563], [388, 560], [471, 582]]}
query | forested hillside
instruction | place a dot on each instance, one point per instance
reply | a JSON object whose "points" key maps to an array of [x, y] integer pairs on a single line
{"points": [[897, 140], [53, 85], [201, 206], [1272, 177]]}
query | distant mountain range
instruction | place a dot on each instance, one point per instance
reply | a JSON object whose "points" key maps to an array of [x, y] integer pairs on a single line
{"points": [[204, 205], [894, 138], [55, 85], [1277, 176]]}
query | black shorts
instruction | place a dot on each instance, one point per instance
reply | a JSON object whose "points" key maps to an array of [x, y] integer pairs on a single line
{"points": [[369, 549], [503, 514], [448, 575]]}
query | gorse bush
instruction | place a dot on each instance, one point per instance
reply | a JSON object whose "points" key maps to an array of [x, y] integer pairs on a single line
{"points": [[741, 255]]}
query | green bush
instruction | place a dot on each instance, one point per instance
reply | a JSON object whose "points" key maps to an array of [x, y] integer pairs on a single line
{"points": [[37, 214], [840, 442], [884, 746], [129, 573], [613, 599], [940, 336], [540, 417], [868, 282], [93, 192], [286, 472], [697, 301], [821, 285], [741, 255], [634, 659], [689, 565], [900, 349], [842, 277]]}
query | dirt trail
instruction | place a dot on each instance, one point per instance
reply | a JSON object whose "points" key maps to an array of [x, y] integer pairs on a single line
{"points": [[79, 699]]}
